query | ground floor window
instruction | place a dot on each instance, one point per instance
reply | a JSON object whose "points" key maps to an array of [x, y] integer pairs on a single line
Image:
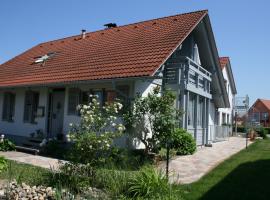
{"points": [[8, 107], [223, 118], [200, 112], [77, 97], [30, 106], [191, 109]]}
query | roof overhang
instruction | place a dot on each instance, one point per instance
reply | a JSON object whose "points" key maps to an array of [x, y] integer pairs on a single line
{"points": [[220, 97]]}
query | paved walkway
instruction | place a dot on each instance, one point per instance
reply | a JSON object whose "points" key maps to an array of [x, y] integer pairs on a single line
{"points": [[188, 169], [40, 161]]}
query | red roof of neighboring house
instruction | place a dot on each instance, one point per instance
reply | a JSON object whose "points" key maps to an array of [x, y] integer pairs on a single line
{"points": [[265, 102], [133, 50], [223, 61]]}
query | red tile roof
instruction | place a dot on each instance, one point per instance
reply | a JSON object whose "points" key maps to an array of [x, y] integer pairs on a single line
{"points": [[223, 61], [133, 50], [266, 103]]}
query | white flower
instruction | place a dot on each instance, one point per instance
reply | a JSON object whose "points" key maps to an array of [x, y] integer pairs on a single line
{"points": [[70, 124], [120, 128], [113, 124]]}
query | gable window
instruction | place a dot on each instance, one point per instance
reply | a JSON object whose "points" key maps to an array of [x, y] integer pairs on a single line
{"points": [[8, 107], [30, 106]]}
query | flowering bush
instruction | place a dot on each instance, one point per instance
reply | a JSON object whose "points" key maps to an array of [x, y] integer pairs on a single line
{"points": [[93, 136]]}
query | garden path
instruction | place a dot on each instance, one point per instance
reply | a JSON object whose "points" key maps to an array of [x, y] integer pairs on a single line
{"points": [[40, 161], [190, 168]]}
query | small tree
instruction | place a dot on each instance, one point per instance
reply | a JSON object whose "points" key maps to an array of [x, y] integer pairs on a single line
{"points": [[93, 136], [152, 119]]}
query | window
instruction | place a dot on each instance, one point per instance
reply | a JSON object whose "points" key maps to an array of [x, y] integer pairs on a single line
{"points": [[191, 109], [74, 100], [76, 97], [223, 118], [8, 107], [228, 119], [30, 106], [200, 111]]}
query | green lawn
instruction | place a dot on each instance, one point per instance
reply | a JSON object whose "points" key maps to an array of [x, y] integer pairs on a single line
{"points": [[25, 173], [245, 175]]}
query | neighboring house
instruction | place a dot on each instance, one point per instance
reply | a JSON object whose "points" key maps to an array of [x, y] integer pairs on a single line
{"points": [[41, 88], [226, 115], [259, 112]]}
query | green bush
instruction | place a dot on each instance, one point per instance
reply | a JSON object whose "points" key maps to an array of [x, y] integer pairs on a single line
{"points": [[163, 153], [240, 129], [148, 182], [3, 164], [183, 142], [267, 129], [55, 148], [262, 132], [7, 145]]}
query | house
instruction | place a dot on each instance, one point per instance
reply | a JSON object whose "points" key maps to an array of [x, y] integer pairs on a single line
{"points": [[226, 116], [41, 88], [259, 112]]}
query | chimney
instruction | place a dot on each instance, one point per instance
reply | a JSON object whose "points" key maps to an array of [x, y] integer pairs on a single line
{"points": [[110, 25], [83, 33]]}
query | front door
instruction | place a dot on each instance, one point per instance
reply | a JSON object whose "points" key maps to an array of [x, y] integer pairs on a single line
{"points": [[56, 112]]}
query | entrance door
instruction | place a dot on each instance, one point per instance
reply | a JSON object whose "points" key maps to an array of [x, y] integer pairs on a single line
{"points": [[56, 112]]}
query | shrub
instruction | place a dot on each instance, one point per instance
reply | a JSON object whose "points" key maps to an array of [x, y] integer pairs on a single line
{"points": [[148, 182], [240, 129], [267, 129], [3, 164], [183, 142], [54, 148], [262, 132], [93, 137], [7, 145], [163, 153]]}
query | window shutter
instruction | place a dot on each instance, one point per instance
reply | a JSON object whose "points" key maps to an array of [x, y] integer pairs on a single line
{"points": [[12, 106], [8, 106], [73, 101], [111, 95]]}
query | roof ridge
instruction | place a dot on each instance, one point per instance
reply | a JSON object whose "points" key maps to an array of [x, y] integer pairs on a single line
{"points": [[121, 26]]}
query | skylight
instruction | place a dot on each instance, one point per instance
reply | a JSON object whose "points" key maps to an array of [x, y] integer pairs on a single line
{"points": [[44, 58]]}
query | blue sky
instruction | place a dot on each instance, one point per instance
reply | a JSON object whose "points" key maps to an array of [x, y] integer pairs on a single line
{"points": [[241, 28]]}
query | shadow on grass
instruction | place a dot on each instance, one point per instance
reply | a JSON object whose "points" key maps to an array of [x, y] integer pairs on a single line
{"points": [[248, 181]]}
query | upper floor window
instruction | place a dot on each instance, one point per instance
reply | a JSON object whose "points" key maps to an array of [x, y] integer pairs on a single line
{"points": [[8, 107], [30, 106]]}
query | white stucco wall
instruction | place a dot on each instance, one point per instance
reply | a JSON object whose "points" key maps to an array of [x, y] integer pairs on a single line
{"points": [[18, 126], [227, 111], [212, 120]]}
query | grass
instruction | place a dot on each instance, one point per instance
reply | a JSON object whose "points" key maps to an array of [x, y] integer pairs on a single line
{"points": [[245, 175], [25, 173]]}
